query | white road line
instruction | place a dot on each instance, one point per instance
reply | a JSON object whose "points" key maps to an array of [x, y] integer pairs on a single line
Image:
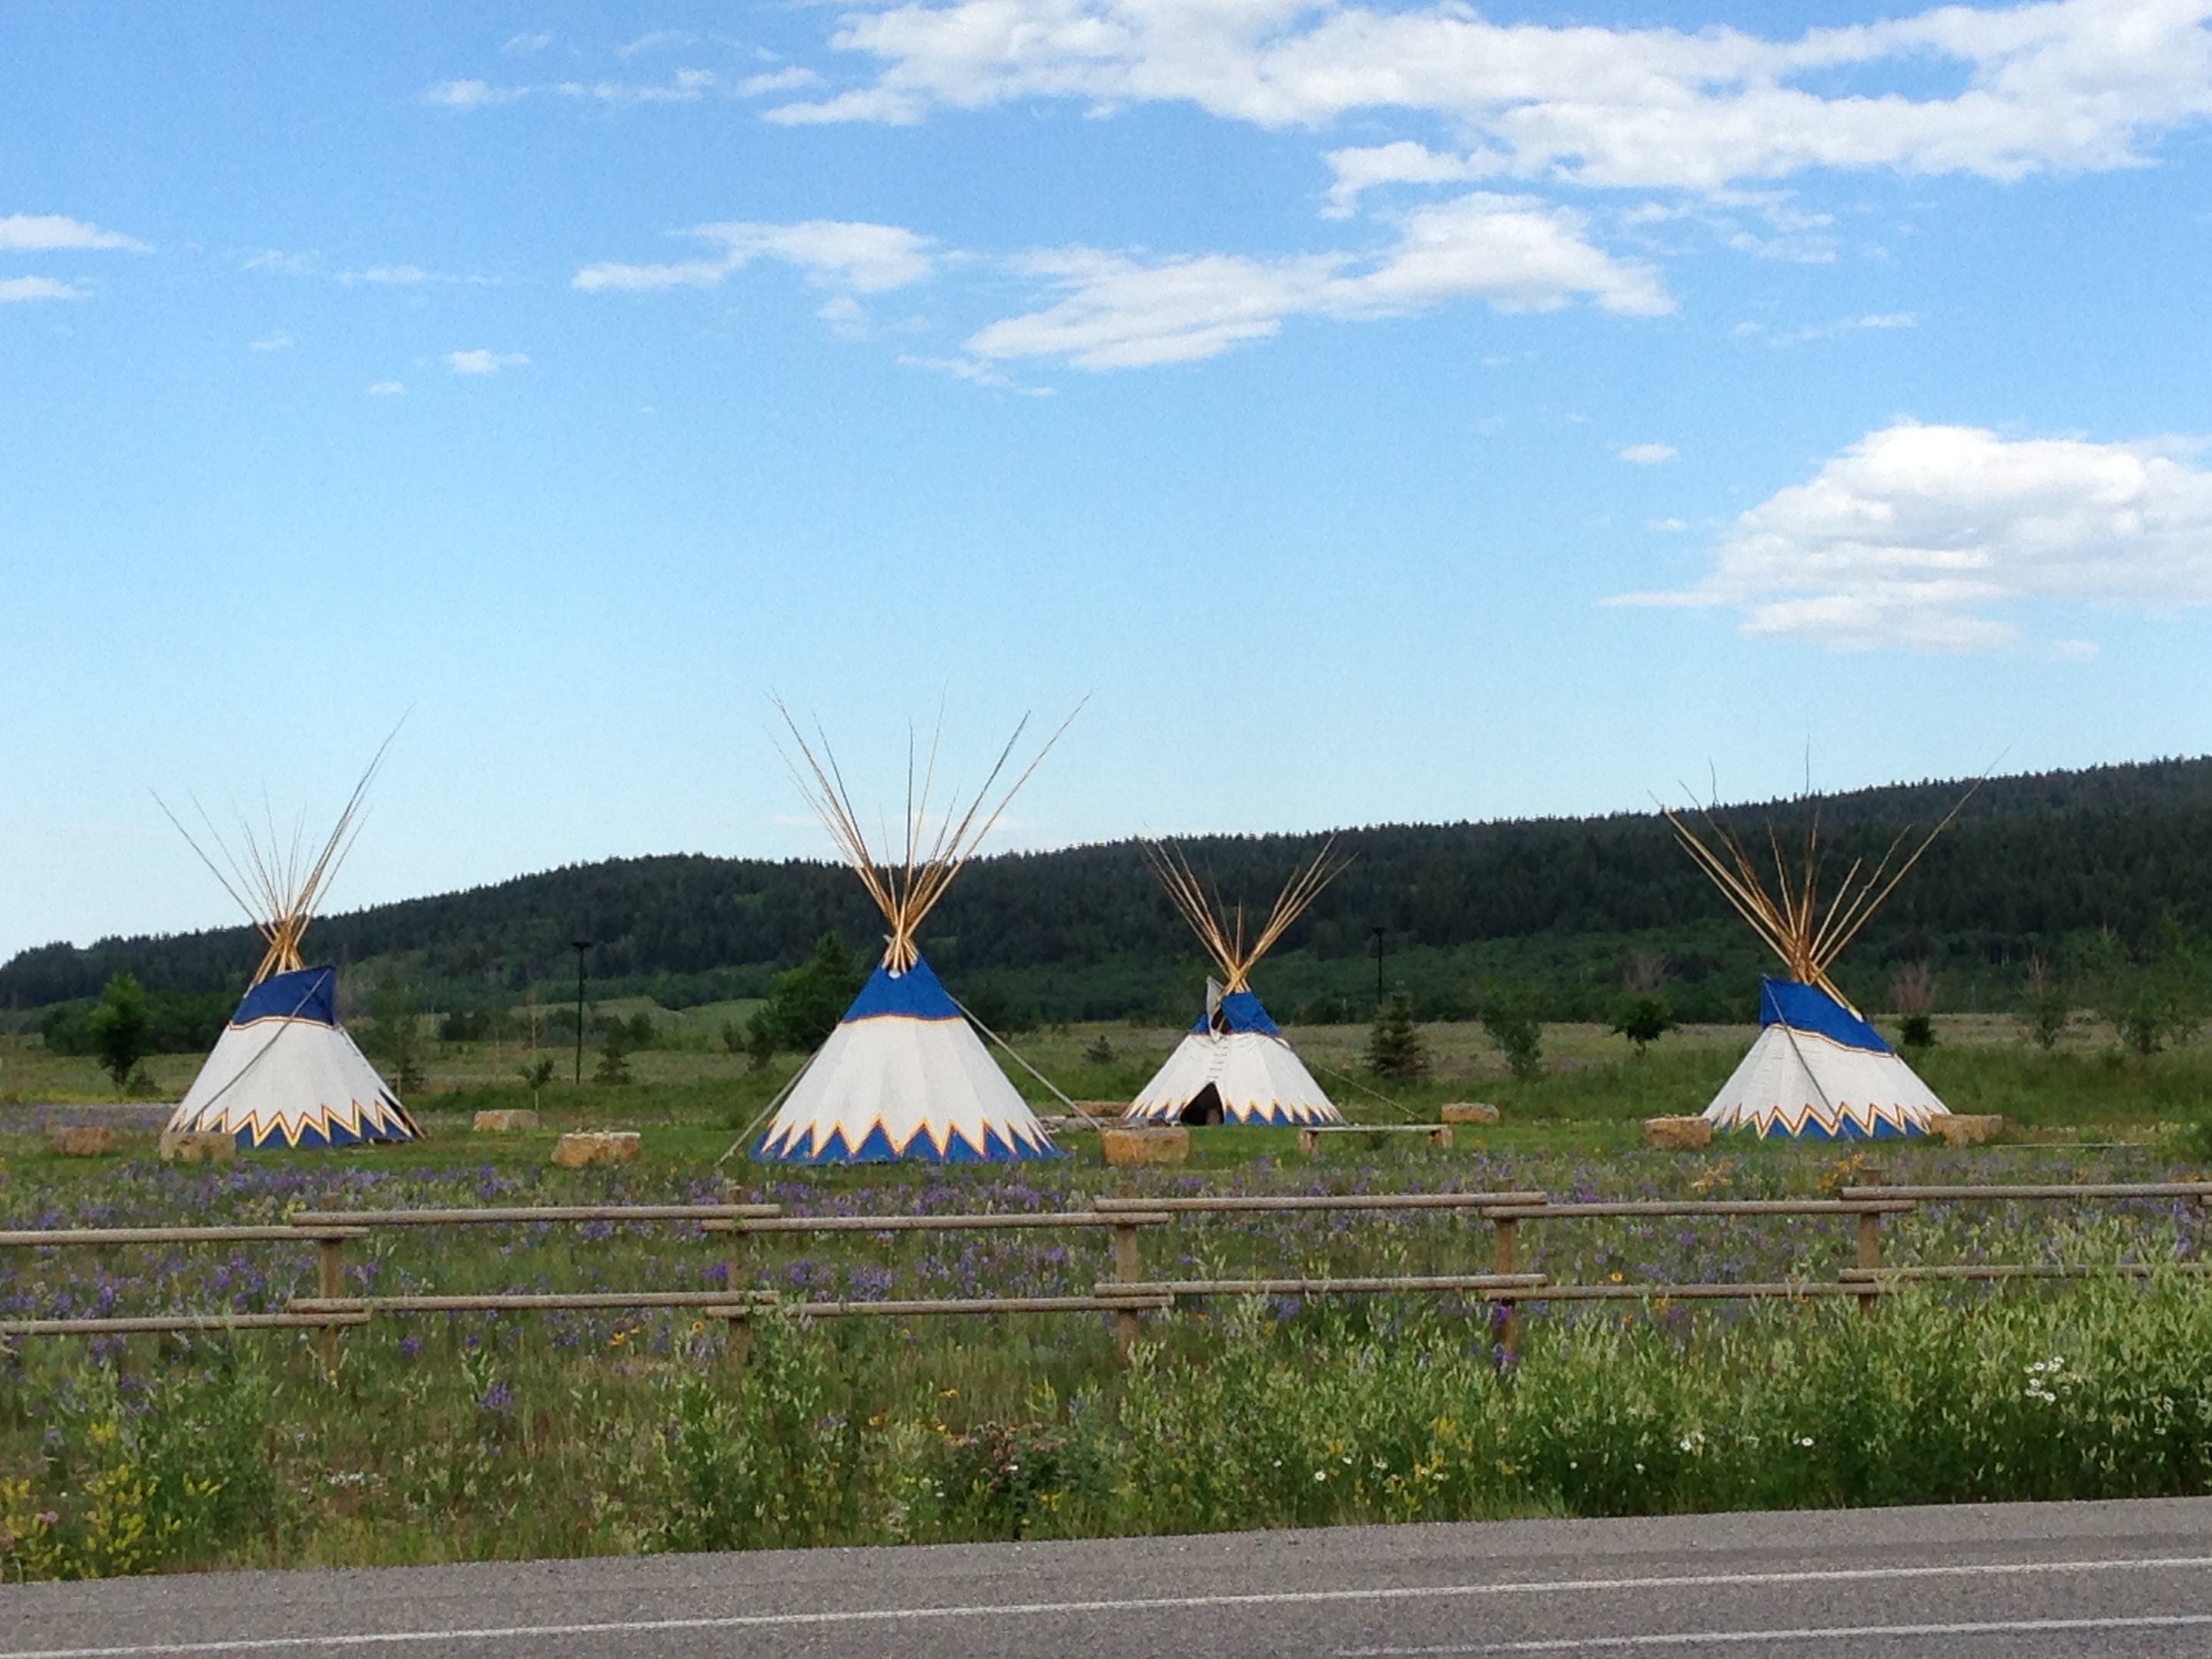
{"points": [[1841, 1632], [1131, 1604]]}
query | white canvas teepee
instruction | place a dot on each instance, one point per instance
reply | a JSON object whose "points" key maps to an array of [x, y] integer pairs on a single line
{"points": [[1235, 1065], [1818, 1070], [904, 1075], [284, 1072]]}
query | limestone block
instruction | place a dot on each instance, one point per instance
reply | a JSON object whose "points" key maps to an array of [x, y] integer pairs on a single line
{"points": [[1966, 1129], [505, 1122], [601, 1145], [85, 1141], [1168, 1144], [197, 1146], [1468, 1111], [1678, 1134]]}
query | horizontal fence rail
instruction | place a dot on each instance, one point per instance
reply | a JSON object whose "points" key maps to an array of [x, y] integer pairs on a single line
{"points": [[550, 1213], [1127, 1296], [1150, 1215], [2035, 1192], [1266, 1203], [68, 1238]]}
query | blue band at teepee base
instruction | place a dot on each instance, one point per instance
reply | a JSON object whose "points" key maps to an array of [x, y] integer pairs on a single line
{"points": [[876, 1147], [1847, 1128], [1807, 1007], [914, 995], [1239, 1011], [303, 993]]}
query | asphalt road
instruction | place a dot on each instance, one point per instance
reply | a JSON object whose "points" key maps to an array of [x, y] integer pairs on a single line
{"points": [[2021, 1580]]}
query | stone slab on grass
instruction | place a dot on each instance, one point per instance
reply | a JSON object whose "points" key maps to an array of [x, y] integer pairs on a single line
{"points": [[1467, 1112], [1678, 1134], [506, 1121], [1966, 1129], [1167, 1144], [597, 1146], [197, 1146], [85, 1141]]}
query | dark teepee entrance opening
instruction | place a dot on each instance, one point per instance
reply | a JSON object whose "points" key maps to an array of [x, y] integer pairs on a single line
{"points": [[1204, 1108]]}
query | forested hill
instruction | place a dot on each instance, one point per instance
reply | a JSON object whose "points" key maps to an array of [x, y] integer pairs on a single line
{"points": [[1086, 931]]}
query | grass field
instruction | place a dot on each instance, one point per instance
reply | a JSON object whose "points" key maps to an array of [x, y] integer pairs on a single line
{"points": [[1980, 1063], [447, 1437]]}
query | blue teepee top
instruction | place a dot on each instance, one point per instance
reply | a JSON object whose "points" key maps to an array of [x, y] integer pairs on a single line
{"points": [[914, 995], [1808, 1007], [1239, 1011], [303, 993]]}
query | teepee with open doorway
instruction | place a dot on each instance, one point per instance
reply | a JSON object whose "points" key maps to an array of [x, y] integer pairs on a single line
{"points": [[1235, 1065], [284, 1072], [1818, 1070], [904, 1075]]}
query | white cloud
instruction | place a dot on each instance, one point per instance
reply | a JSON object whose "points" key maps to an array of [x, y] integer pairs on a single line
{"points": [[17, 291], [1649, 453], [2051, 84], [686, 85], [846, 316], [472, 94], [790, 79], [1107, 309], [278, 341], [1117, 312], [1405, 162], [523, 45], [851, 256], [409, 276], [285, 264], [46, 233], [388, 388], [657, 41], [1914, 535], [1878, 321], [1667, 526], [481, 361]]}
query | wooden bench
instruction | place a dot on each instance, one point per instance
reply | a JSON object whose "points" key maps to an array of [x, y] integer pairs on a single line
{"points": [[1310, 1137]]}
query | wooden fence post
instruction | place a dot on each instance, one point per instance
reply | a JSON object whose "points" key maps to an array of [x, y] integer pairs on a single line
{"points": [[1128, 1269], [1510, 1330], [740, 1348], [1870, 1238], [330, 1282], [1870, 1254]]}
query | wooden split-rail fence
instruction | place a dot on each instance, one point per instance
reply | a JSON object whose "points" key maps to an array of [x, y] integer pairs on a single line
{"points": [[1128, 1295]]}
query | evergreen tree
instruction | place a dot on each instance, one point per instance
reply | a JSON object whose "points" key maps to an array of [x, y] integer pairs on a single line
{"points": [[760, 1042], [614, 1055], [2043, 1007], [1643, 1020], [1395, 1049], [809, 1000], [121, 1028], [1508, 1018], [536, 1073], [396, 1033]]}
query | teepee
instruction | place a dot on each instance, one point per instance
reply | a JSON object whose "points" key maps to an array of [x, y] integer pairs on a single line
{"points": [[1818, 1070], [1235, 1065], [904, 1075], [284, 1072]]}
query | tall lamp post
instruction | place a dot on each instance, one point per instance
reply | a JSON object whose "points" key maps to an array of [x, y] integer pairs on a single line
{"points": [[1377, 932], [580, 946]]}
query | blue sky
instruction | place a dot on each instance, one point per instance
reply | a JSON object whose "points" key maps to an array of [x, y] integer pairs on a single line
{"points": [[1384, 412]]}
